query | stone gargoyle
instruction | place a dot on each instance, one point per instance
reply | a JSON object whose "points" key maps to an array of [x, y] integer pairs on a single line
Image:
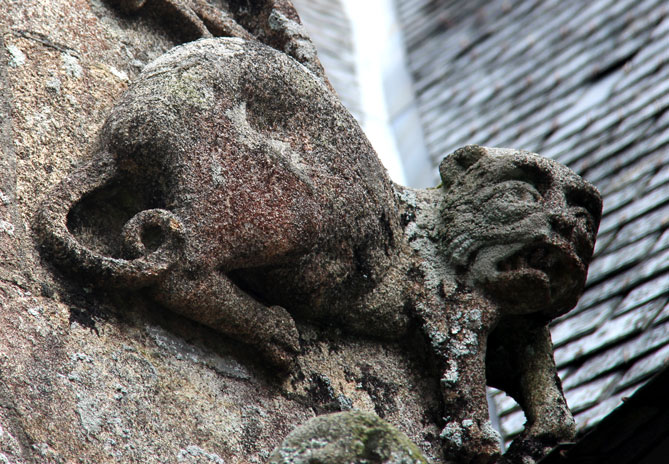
{"points": [[251, 197]]}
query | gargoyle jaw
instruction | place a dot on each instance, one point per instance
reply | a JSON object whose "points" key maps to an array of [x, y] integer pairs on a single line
{"points": [[545, 277]]}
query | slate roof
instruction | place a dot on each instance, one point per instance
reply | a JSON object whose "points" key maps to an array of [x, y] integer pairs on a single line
{"points": [[586, 83]]}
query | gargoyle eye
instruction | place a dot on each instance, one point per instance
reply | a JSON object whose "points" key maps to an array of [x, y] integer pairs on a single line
{"points": [[588, 201], [515, 192]]}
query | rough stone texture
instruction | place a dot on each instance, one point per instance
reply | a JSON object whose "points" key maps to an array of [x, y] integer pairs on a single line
{"points": [[273, 22], [264, 217], [346, 437]]}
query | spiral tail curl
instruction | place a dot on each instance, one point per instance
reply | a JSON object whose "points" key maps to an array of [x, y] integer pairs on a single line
{"points": [[56, 239]]}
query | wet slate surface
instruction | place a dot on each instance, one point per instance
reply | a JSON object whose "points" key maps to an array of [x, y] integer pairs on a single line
{"points": [[586, 83]]}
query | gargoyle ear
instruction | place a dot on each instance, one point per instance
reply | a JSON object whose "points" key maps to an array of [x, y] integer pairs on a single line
{"points": [[455, 164]]}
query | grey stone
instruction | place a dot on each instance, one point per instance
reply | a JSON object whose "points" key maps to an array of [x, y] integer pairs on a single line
{"points": [[274, 23], [344, 438], [608, 64], [335, 240], [229, 185]]}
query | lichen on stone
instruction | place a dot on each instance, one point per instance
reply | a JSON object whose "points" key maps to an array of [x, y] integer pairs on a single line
{"points": [[346, 438]]}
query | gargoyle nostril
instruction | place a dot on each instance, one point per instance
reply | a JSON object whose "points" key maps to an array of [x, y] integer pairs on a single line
{"points": [[562, 224]]}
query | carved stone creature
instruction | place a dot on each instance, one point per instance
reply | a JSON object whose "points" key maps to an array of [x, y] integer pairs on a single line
{"points": [[243, 187]]}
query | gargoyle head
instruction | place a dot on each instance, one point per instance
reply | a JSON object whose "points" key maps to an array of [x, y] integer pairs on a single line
{"points": [[520, 227]]}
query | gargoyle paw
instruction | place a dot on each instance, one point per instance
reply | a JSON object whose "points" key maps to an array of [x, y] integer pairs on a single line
{"points": [[284, 341], [471, 443]]}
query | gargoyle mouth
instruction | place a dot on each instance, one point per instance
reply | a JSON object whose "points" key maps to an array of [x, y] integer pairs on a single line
{"points": [[551, 259], [547, 274]]}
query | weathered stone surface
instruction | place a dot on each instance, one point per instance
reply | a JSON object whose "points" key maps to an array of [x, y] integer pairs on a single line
{"points": [[228, 185], [347, 437], [273, 22]]}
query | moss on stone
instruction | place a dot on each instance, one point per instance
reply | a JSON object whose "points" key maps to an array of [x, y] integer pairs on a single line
{"points": [[347, 437]]}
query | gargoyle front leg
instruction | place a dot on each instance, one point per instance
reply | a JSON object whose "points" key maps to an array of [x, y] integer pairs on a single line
{"points": [[521, 363], [468, 434], [212, 299], [458, 345]]}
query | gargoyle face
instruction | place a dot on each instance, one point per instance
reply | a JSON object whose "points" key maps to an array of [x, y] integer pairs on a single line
{"points": [[520, 227]]}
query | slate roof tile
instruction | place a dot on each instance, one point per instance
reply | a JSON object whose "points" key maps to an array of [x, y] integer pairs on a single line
{"points": [[603, 291], [652, 267], [618, 356], [512, 423], [635, 176], [572, 327], [588, 394], [330, 29], [648, 291], [663, 242], [622, 197], [505, 404], [602, 243], [662, 315], [650, 223], [609, 333], [645, 367], [588, 418], [648, 202], [620, 259], [660, 177]]}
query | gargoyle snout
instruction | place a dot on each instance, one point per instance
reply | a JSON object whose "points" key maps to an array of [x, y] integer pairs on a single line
{"points": [[571, 229], [563, 224]]}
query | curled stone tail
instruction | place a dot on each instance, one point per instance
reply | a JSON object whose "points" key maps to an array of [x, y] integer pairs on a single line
{"points": [[57, 240]]}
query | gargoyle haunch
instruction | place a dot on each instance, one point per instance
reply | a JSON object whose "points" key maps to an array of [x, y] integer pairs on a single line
{"points": [[252, 197]]}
